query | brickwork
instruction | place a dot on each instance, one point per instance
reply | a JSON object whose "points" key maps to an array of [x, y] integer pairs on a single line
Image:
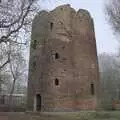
{"points": [[116, 104], [63, 68]]}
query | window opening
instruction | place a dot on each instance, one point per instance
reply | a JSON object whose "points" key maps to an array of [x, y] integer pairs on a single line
{"points": [[63, 47], [92, 89], [38, 102], [34, 44], [34, 64], [56, 82], [51, 25], [57, 56]]}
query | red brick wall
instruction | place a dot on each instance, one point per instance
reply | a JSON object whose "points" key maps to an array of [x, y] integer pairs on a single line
{"points": [[77, 66], [88, 104]]}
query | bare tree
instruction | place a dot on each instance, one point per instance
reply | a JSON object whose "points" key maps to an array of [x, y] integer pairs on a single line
{"points": [[110, 79], [17, 68], [15, 22], [112, 10]]}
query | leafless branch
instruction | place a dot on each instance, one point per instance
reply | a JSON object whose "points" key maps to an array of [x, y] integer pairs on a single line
{"points": [[112, 10]]}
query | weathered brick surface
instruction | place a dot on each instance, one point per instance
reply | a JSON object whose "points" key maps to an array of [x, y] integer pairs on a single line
{"points": [[70, 35], [74, 105], [3, 118], [116, 104]]}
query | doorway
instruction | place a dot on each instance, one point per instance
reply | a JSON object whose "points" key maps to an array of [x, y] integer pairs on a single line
{"points": [[38, 102]]}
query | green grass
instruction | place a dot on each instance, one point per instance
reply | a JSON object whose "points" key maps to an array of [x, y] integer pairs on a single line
{"points": [[78, 116], [115, 115]]}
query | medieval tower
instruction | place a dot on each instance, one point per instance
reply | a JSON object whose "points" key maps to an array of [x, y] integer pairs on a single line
{"points": [[63, 67]]}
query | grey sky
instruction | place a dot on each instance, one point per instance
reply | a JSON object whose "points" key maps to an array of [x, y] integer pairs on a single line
{"points": [[106, 41]]}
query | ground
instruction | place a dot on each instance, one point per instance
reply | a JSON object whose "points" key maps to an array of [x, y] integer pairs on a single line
{"points": [[115, 115]]}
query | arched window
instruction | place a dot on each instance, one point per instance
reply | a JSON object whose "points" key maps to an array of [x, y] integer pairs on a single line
{"points": [[56, 82], [38, 102], [57, 56]]}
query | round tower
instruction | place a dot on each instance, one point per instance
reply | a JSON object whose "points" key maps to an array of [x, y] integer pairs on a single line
{"points": [[63, 74]]}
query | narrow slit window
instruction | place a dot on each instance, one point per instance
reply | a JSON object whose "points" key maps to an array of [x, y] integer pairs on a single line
{"points": [[34, 64], [35, 44], [56, 82], [92, 89], [57, 56], [51, 25]]}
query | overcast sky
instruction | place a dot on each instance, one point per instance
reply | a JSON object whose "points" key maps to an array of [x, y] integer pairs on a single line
{"points": [[106, 41]]}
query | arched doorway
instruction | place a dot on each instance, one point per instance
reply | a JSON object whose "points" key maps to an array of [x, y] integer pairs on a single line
{"points": [[37, 103]]}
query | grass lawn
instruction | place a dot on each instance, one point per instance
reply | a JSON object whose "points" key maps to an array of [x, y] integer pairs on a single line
{"points": [[115, 115]]}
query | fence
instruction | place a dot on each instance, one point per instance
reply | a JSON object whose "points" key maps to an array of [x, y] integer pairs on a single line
{"points": [[17, 103]]}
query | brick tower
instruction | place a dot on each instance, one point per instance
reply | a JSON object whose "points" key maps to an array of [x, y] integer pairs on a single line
{"points": [[63, 67]]}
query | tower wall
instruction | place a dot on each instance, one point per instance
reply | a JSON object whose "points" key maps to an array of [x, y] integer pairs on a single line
{"points": [[63, 61]]}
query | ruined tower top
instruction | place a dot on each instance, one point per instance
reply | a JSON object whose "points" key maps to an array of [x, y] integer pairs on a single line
{"points": [[63, 19]]}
